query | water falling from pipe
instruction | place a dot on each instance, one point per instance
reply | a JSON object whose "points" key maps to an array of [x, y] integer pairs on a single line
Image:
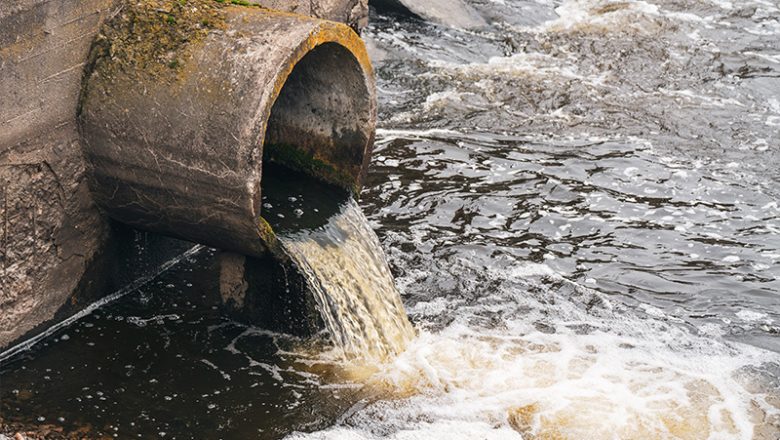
{"points": [[325, 233]]}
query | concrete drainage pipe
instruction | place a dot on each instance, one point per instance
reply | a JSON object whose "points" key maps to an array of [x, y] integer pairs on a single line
{"points": [[177, 118]]}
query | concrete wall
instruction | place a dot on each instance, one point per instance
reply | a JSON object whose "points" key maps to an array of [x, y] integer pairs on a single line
{"points": [[54, 241]]}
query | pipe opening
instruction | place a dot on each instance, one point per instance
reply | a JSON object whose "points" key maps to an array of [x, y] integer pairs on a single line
{"points": [[321, 122], [178, 154]]}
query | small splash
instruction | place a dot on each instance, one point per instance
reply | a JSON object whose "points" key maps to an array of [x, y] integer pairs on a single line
{"points": [[605, 17]]}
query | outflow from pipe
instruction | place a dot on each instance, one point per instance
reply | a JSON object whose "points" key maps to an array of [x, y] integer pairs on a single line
{"points": [[179, 111]]}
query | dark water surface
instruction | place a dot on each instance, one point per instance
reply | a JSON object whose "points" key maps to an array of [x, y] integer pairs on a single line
{"points": [[165, 362], [581, 204]]}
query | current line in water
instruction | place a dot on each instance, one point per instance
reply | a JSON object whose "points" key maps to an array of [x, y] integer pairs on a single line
{"points": [[135, 285]]}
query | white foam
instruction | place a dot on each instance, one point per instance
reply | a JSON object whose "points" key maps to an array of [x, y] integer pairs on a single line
{"points": [[524, 63], [627, 377], [388, 135], [752, 316], [130, 288], [587, 15], [692, 96], [451, 430]]}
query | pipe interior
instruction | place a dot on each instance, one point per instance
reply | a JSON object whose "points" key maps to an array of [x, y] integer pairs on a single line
{"points": [[321, 122]]}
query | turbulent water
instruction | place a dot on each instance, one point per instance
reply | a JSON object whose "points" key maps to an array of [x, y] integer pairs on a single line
{"points": [[345, 267], [581, 201], [581, 204]]}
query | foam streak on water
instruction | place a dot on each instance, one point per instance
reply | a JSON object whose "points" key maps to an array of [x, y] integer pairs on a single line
{"points": [[347, 272]]}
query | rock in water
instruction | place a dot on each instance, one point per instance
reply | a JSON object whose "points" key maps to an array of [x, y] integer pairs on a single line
{"points": [[452, 13]]}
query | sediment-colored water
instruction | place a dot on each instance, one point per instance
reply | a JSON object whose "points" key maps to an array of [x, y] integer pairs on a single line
{"points": [[328, 239], [345, 266]]}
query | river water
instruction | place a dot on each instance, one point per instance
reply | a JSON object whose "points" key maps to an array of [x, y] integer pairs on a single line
{"points": [[581, 205]]}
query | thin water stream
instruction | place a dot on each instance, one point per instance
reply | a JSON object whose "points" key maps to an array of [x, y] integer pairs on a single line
{"points": [[581, 205]]}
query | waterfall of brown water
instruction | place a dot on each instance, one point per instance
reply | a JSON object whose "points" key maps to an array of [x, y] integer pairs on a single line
{"points": [[346, 269]]}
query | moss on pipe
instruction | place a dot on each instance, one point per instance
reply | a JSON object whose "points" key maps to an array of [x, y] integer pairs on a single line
{"points": [[308, 163], [175, 143], [177, 25]]}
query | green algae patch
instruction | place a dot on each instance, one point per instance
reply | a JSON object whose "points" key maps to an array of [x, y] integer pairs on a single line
{"points": [[269, 238], [308, 163], [155, 37]]}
